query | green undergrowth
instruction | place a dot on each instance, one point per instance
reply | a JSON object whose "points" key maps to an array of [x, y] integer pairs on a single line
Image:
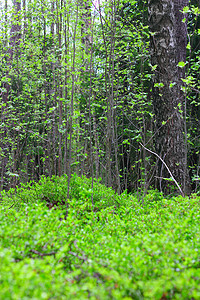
{"points": [[118, 248], [54, 191]]}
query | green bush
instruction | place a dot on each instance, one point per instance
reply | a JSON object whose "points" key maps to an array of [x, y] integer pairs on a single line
{"points": [[54, 190], [122, 249]]}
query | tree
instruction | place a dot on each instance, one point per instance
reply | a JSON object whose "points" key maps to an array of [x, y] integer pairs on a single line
{"points": [[11, 55], [168, 49], [75, 91]]}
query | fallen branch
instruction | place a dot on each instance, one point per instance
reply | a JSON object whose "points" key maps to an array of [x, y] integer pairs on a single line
{"points": [[170, 173], [78, 256], [42, 254], [81, 257]]}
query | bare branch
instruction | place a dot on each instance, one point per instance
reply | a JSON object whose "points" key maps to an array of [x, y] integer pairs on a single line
{"points": [[42, 254], [170, 173]]}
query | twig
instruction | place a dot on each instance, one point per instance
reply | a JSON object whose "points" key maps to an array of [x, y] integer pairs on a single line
{"points": [[78, 256], [83, 257], [170, 173], [11, 206], [42, 254]]}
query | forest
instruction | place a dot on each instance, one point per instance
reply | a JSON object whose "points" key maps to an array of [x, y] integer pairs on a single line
{"points": [[99, 149]]}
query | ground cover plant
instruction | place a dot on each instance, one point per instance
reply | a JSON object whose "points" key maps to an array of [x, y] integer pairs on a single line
{"points": [[119, 248]]}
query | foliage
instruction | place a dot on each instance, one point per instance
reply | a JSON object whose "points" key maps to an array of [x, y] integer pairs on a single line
{"points": [[75, 92], [53, 191], [120, 250]]}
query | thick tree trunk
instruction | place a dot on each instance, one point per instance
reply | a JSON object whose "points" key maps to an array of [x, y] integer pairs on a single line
{"points": [[168, 48]]}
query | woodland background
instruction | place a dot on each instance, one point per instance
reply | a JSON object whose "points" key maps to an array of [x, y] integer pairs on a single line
{"points": [[96, 100], [75, 89]]}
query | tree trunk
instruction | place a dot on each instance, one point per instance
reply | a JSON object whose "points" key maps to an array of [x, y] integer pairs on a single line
{"points": [[168, 48], [14, 42]]}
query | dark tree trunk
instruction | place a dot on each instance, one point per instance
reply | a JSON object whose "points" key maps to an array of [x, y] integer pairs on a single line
{"points": [[13, 51], [168, 48], [15, 32]]}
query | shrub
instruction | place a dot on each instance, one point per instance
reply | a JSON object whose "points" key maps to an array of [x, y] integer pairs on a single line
{"points": [[122, 249]]}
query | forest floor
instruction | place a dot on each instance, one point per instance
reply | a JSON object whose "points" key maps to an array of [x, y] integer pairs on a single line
{"points": [[115, 248]]}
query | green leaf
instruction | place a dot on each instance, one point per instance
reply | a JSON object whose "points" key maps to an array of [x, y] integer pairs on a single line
{"points": [[181, 64]]}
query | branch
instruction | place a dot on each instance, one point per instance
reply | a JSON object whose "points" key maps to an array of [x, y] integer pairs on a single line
{"points": [[78, 256], [42, 254], [170, 173], [11, 206]]}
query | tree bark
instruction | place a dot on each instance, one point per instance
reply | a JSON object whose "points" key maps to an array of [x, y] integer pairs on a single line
{"points": [[13, 53], [168, 48]]}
